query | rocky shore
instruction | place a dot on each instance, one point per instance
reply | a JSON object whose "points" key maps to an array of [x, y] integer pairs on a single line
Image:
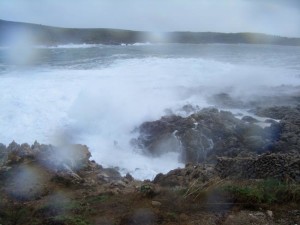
{"points": [[237, 172], [210, 133]]}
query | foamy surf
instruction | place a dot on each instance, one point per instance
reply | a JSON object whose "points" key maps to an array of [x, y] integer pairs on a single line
{"points": [[67, 46]]}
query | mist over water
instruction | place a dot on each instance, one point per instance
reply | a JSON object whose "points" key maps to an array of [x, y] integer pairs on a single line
{"points": [[97, 95]]}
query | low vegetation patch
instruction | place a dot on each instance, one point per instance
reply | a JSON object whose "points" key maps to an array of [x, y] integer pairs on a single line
{"points": [[247, 193], [264, 192]]}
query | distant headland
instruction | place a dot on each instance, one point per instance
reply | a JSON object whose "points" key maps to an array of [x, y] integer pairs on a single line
{"points": [[47, 35]]}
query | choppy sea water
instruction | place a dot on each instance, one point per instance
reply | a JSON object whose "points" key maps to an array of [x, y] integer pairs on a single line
{"points": [[97, 95]]}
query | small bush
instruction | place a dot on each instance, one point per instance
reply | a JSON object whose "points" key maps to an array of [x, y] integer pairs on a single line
{"points": [[98, 198], [15, 214], [268, 191], [70, 220], [147, 190], [172, 216], [244, 194]]}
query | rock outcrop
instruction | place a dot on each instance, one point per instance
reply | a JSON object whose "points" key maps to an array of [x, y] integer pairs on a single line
{"points": [[185, 177], [287, 131], [284, 167], [204, 135], [30, 172], [64, 158]]}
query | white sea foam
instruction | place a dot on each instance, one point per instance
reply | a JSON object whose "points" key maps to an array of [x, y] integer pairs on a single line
{"points": [[65, 46], [71, 46], [101, 107], [143, 44]]}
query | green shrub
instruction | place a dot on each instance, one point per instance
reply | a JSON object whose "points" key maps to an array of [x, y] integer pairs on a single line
{"points": [[268, 191], [70, 220], [98, 198]]}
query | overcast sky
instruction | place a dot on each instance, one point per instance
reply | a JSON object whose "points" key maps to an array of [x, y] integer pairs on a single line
{"points": [[279, 17]]}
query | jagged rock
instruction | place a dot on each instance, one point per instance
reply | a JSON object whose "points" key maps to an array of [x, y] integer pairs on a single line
{"points": [[254, 143], [109, 174], [13, 153], [276, 112], [13, 147], [66, 165], [285, 167], [287, 132], [249, 119], [225, 100], [184, 177], [2, 149], [271, 121], [3, 154], [129, 177], [67, 178], [188, 109], [202, 136], [56, 158]]}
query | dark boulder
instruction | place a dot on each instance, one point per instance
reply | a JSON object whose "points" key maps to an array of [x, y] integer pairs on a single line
{"points": [[285, 167], [184, 177], [275, 112], [202, 136], [249, 119], [225, 100], [287, 131]]}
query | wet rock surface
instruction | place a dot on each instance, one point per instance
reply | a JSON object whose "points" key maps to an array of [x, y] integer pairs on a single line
{"points": [[184, 177], [29, 172], [278, 98], [276, 112], [284, 167], [204, 135], [227, 101], [288, 129]]}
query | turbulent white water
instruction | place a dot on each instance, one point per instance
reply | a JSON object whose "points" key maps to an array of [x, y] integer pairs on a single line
{"points": [[97, 95]]}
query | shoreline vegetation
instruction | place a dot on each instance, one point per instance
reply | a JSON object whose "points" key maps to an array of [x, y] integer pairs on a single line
{"points": [[51, 36]]}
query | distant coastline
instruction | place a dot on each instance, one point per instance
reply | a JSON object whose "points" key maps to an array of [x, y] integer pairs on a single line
{"points": [[51, 36]]}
